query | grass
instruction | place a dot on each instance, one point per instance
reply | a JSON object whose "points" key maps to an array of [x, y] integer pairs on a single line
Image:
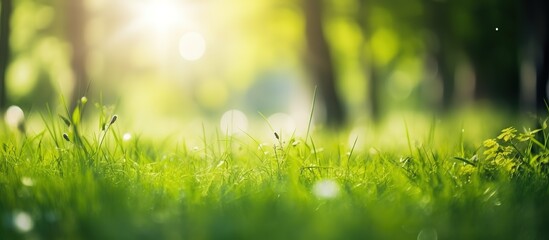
{"points": [[72, 181]]}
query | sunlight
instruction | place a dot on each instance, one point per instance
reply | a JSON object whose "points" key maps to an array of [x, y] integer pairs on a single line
{"points": [[192, 46], [160, 15], [357, 137]]}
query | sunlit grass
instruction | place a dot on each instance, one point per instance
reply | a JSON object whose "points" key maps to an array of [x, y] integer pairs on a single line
{"points": [[424, 178]]}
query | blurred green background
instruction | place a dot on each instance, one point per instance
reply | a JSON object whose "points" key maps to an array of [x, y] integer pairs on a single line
{"points": [[164, 64]]}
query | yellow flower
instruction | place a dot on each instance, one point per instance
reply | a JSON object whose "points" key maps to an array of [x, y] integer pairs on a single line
{"points": [[508, 134]]}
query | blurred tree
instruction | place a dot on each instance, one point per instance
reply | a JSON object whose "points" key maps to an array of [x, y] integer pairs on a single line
{"points": [[484, 33], [381, 50], [494, 51], [366, 60], [320, 63], [441, 50], [76, 35], [535, 49], [542, 77], [5, 16]]}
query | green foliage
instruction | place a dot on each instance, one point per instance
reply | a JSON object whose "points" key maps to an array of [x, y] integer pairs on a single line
{"points": [[70, 182], [518, 154]]}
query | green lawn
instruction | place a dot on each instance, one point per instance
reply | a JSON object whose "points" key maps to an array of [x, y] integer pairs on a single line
{"points": [[94, 183]]}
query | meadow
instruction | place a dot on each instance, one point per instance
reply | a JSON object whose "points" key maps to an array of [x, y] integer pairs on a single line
{"points": [[79, 179]]}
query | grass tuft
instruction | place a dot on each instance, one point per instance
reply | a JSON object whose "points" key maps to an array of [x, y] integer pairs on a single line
{"points": [[70, 182]]}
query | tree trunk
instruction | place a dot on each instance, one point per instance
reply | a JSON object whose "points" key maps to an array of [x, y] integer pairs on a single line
{"points": [[542, 74], [439, 25], [542, 78], [494, 54], [534, 52], [374, 100], [5, 17], [76, 26], [320, 63]]}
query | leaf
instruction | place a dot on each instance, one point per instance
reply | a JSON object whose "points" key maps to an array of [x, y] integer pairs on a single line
{"points": [[535, 131], [466, 161], [76, 116]]}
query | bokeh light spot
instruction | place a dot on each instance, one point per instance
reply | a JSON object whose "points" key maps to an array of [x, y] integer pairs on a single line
{"points": [[385, 46], [127, 137], [21, 77], [233, 121], [282, 123], [192, 46], [14, 116], [27, 181], [326, 189], [357, 138], [23, 222], [400, 85]]}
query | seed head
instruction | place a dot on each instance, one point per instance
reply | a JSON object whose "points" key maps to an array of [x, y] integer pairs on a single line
{"points": [[66, 137], [276, 136], [113, 119], [65, 120]]}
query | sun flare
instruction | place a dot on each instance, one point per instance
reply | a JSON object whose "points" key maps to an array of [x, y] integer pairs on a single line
{"points": [[159, 15]]}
